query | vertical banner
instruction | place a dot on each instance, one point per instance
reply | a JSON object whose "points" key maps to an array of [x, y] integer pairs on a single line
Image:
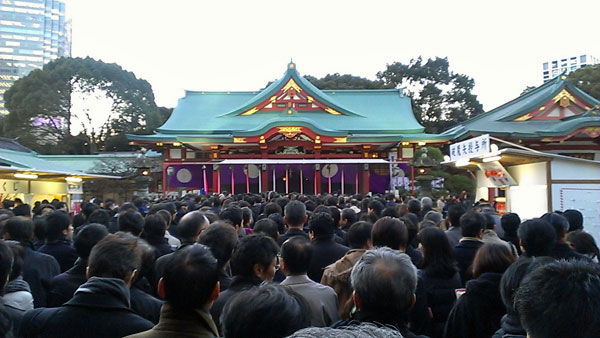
{"points": [[232, 181], [301, 181], [204, 179], [274, 180], [342, 180], [356, 181]]}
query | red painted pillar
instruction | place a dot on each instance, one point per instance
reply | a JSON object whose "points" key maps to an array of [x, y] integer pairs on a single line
{"points": [[164, 178], [366, 179], [215, 179], [264, 178], [491, 195], [317, 179]]}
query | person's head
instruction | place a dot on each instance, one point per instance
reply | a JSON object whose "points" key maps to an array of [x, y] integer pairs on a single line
{"points": [[165, 214], [58, 226], [321, 226], [191, 225], [115, 256], [6, 263], [536, 237], [154, 226], [221, 238], [390, 232], [88, 236], [583, 243], [22, 210], [99, 216], [438, 256], [558, 222], [492, 257], [255, 256], [359, 235], [433, 216], [390, 211], [384, 282], [513, 276], [364, 329], [278, 219], [348, 217], [272, 208], [268, 227], [131, 221], [455, 212], [19, 228], [426, 202], [376, 207], [295, 214], [191, 279], [575, 218], [18, 260], [279, 313], [472, 224], [414, 206], [296, 253], [560, 299], [510, 224], [246, 216], [233, 215]]}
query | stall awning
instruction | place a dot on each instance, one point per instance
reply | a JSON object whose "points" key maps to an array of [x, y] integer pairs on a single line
{"points": [[302, 161]]}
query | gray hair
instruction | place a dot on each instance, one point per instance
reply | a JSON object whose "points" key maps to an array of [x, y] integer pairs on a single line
{"points": [[433, 216], [426, 202], [384, 280], [364, 330]]}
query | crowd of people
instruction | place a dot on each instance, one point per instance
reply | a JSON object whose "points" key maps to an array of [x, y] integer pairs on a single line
{"points": [[271, 265]]}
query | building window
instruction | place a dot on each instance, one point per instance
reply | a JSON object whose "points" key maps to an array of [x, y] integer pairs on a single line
{"points": [[546, 73], [545, 65], [583, 59], [554, 64], [175, 153]]}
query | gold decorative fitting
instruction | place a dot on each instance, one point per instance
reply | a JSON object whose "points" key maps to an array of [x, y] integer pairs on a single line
{"points": [[176, 144], [239, 140], [523, 118], [310, 99], [290, 132], [340, 140], [563, 94], [542, 108], [159, 144], [563, 77], [291, 84], [332, 111], [214, 147], [250, 111]]}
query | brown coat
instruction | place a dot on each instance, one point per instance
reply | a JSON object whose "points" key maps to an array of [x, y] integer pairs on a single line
{"points": [[337, 275], [173, 323]]}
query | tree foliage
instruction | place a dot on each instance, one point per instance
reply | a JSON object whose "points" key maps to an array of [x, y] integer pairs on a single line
{"points": [[41, 107], [440, 97], [587, 79], [346, 81]]}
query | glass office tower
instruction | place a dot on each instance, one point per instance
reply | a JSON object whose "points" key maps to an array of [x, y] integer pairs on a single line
{"points": [[32, 33]]}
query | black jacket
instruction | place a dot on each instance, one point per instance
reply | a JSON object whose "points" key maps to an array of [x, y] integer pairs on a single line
{"points": [[99, 308], [291, 233], [440, 297], [62, 251], [465, 252], [564, 251], [238, 284], [38, 270], [144, 304], [395, 321], [325, 252], [63, 286], [477, 313]]}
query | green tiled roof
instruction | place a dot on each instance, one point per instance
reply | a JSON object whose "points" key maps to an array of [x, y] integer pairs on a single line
{"points": [[208, 115], [500, 121]]}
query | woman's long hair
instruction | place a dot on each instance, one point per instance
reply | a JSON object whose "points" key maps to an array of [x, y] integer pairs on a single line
{"points": [[438, 256]]}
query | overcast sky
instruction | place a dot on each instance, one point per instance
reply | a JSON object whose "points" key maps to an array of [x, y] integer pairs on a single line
{"points": [[241, 45]]}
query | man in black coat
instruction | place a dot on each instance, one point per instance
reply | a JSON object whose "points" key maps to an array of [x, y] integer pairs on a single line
{"points": [[325, 250], [58, 233], [472, 225], [100, 307], [63, 286], [295, 217], [38, 268], [561, 249]]}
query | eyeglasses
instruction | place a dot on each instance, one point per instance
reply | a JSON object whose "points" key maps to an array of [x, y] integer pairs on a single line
{"points": [[277, 261]]}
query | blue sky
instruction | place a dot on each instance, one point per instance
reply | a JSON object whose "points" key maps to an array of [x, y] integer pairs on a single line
{"points": [[241, 45]]}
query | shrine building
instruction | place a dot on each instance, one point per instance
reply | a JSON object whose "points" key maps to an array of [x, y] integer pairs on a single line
{"points": [[289, 137]]}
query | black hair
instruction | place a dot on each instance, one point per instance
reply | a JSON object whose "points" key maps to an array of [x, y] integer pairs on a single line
{"points": [[154, 226], [246, 215], [190, 277], [221, 238], [295, 213], [358, 234], [350, 215], [490, 223], [414, 206], [6, 263], [455, 212], [190, 225], [513, 276], [560, 299], [22, 210], [377, 207], [558, 222], [88, 208], [279, 313], [575, 218], [267, 226], [438, 256], [336, 214], [232, 214], [492, 257], [583, 243], [537, 237], [253, 249], [99, 216], [297, 253], [389, 232], [115, 256], [131, 221], [272, 208], [19, 228], [390, 211], [127, 206], [39, 228], [278, 219], [88, 236], [18, 260], [321, 225], [56, 223], [471, 223]]}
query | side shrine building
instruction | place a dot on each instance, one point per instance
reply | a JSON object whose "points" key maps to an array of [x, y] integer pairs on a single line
{"points": [[289, 137]]}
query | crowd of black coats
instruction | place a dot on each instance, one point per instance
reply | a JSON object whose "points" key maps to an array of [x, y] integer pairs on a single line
{"points": [[462, 291]]}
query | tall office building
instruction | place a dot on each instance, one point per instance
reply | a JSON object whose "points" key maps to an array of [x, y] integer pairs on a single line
{"points": [[554, 68], [32, 33]]}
